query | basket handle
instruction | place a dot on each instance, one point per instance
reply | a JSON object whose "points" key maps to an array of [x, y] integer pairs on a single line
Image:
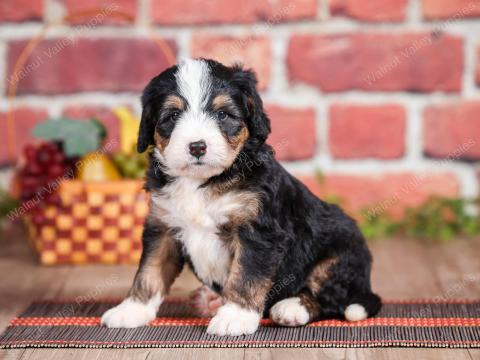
{"points": [[33, 43]]}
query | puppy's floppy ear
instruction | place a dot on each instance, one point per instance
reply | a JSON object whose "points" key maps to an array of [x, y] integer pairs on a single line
{"points": [[152, 97], [257, 121], [147, 127]]}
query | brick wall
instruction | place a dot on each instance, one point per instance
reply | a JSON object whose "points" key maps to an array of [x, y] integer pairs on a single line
{"points": [[381, 96]]}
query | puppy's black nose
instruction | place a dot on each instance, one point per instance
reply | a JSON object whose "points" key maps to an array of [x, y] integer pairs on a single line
{"points": [[198, 148]]}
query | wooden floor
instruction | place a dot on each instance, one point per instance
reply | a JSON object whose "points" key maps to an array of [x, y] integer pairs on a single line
{"points": [[403, 269]]}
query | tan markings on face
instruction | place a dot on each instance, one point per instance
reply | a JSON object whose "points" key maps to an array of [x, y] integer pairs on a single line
{"points": [[237, 141], [221, 101], [249, 295], [160, 142], [320, 274], [160, 269], [171, 102], [224, 101], [174, 102]]}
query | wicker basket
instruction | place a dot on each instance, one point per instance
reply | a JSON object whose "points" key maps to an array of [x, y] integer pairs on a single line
{"points": [[94, 223]]}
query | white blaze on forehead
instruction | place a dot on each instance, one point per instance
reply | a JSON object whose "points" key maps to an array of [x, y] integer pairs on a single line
{"points": [[193, 79]]}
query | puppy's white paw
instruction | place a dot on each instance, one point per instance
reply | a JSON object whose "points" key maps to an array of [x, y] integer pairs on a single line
{"points": [[131, 313], [289, 312], [233, 320]]}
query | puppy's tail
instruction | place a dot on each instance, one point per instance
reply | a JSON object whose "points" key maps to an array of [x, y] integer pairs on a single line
{"points": [[363, 306]]}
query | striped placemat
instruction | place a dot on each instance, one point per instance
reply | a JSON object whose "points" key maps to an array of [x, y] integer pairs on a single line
{"points": [[452, 324]]}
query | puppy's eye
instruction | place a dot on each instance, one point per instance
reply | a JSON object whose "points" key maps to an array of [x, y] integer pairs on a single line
{"points": [[174, 115], [221, 115]]}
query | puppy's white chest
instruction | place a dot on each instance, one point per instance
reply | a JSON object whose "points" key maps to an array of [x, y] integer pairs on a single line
{"points": [[197, 214]]}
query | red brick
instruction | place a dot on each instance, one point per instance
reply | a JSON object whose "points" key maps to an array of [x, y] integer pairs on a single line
{"points": [[104, 11], [445, 9], [373, 10], [190, 12], [408, 62], [21, 10], [387, 193], [293, 132], [61, 66], [452, 131], [254, 52], [103, 114], [24, 120], [360, 131]]}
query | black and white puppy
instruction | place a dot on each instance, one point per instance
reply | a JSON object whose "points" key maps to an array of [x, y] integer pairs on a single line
{"points": [[220, 202]]}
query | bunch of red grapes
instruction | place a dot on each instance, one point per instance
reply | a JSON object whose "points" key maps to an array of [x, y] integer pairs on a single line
{"points": [[43, 168]]}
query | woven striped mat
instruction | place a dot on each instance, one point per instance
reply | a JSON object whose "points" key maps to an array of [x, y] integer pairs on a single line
{"points": [[453, 324]]}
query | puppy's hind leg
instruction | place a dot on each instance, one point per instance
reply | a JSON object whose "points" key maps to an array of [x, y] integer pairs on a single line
{"points": [[295, 311], [363, 306], [304, 307], [205, 301], [160, 264], [341, 286]]}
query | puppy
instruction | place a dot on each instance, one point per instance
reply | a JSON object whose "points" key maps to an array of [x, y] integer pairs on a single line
{"points": [[221, 203]]}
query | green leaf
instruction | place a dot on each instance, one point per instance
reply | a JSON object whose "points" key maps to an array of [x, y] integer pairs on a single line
{"points": [[78, 137], [446, 234], [7, 204]]}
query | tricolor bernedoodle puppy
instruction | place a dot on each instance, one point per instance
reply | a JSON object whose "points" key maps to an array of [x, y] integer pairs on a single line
{"points": [[221, 203]]}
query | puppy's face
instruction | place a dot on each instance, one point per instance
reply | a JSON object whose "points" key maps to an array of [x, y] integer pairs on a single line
{"points": [[199, 115]]}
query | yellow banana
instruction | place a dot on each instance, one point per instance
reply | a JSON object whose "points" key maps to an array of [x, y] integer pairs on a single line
{"points": [[129, 125]]}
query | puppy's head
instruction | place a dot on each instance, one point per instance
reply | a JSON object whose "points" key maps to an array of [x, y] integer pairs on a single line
{"points": [[200, 115]]}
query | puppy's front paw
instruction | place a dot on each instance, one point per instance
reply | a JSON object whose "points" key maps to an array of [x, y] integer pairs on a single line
{"points": [[131, 313], [233, 320]]}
